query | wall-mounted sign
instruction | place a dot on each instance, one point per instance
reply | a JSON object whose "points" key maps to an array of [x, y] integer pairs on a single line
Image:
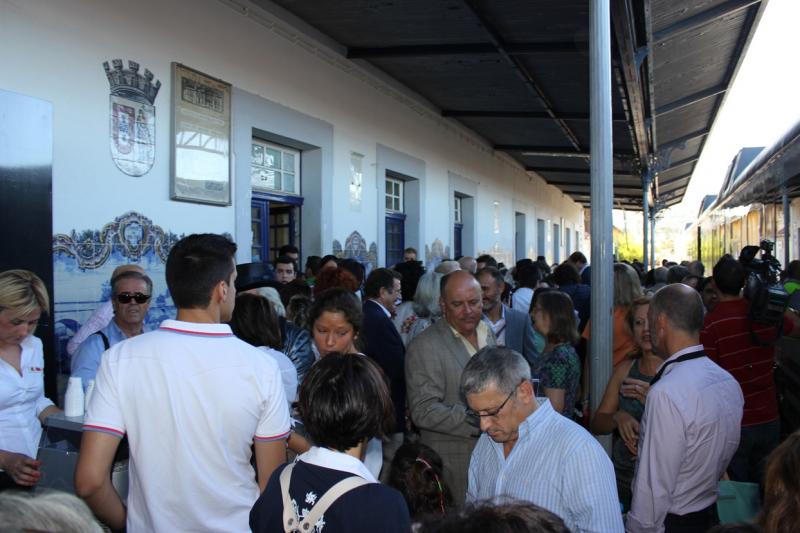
{"points": [[201, 134], [132, 117]]}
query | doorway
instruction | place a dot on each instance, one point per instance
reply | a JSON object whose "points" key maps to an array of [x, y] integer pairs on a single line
{"points": [[275, 222]]}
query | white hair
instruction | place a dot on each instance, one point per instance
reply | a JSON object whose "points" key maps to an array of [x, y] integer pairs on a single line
{"points": [[45, 511], [271, 294]]}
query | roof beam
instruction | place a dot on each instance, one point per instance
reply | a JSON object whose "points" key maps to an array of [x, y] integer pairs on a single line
{"points": [[584, 171], [523, 72], [701, 19], [553, 151], [464, 113], [624, 31], [541, 151], [680, 163], [699, 134], [419, 50], [690, 100], [673, 180]]}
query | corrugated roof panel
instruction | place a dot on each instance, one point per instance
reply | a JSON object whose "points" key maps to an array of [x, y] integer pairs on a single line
{"points": [[696, 60]]}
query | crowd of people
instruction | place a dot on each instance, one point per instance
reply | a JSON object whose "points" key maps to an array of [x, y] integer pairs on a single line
{"points": [[400, 399]]}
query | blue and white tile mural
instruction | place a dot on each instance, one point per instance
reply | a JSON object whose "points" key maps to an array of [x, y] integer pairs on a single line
{"points": [[82, 266]]}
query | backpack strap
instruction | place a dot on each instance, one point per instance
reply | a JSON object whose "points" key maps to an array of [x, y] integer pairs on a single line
{"points": [[106, 344], [291, 522]]}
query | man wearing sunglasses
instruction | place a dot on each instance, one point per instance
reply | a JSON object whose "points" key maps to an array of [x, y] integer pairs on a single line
{"points": [[528, 451], [130, 299]]}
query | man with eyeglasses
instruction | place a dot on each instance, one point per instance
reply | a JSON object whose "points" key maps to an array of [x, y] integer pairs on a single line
{"points": [[555, 464], [130, 299]]}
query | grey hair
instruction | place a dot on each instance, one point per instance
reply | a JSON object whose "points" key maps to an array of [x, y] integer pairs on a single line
{"points": [[271, 294], [45, 511], [445, 267], [132, 274], [426, 297], [496, 366]]}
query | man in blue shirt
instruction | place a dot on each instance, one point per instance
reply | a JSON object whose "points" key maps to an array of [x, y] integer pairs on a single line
{"points": [[529, 452], [130, 299]]}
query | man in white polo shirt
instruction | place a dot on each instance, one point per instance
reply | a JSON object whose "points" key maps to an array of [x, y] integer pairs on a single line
{"points": [[192, 399]]}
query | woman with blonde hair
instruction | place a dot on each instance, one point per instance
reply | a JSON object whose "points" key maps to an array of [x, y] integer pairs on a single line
{"points": [[627, 289], [23, 405], [622, 407]]}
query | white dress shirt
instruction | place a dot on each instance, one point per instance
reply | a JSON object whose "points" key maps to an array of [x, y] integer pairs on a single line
{"points": [[688, 434], [22, 399]]}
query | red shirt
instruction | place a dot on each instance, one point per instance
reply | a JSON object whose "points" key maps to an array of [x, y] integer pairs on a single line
{"points": [[728, 341]]}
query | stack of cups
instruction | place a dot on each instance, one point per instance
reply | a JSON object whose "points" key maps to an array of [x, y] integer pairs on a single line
{"points": [[73, 399]]}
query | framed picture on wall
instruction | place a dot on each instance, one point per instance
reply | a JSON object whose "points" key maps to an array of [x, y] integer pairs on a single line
{"points": [[201, 138]]}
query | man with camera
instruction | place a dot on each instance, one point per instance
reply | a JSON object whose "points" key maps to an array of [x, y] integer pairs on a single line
{"points": [[745, 347]]}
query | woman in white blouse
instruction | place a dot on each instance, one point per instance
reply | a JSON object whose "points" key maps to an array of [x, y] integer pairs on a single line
{"points": [[23, 406]]}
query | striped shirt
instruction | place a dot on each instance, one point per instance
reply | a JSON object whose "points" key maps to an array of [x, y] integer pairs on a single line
{"points": [[555, 464], [728, 342]]}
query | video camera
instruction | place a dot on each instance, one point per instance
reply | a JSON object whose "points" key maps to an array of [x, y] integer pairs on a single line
{"points": [[762, 287]]}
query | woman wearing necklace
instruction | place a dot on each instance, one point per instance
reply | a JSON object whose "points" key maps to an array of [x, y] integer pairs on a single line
{"points": [[23, 405], [622, 406]]}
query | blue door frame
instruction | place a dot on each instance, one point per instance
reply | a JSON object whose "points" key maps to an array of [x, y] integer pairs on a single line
{"points": [[260, 219]]}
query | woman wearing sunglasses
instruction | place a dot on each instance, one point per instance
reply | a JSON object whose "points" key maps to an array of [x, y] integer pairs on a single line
{"points": [[130, 298], [23, 406]]}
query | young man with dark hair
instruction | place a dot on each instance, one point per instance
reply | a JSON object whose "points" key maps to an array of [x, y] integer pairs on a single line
{"points": [[291, 251], [382, 343], [746, 349], [194, 401], [285, 269], [485, 260]]}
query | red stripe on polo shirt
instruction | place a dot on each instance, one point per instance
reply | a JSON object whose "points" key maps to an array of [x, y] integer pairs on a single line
{"points": [[103, 429], [271, 439], [201, 333]]}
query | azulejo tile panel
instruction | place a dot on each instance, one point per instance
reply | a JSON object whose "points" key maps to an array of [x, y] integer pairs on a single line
{"points": [[82, 266]]}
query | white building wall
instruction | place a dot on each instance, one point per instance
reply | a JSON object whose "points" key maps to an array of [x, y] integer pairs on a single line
{"points": [[54, 50]]}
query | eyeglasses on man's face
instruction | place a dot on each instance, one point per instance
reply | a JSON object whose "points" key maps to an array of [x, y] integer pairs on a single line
{"points": [[491, 413], [138, 297]]}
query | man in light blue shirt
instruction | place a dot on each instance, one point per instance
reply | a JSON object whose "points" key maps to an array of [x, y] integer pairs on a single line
{"points": [[130, 299], [527, 451]]}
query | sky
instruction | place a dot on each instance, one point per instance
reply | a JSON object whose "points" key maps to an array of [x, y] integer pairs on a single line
{"points": [[763, 103]]}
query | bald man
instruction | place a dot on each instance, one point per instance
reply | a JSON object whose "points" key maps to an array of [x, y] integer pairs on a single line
{"points": [[468, 263], [691, 422], [102, 315], [434, 361]]}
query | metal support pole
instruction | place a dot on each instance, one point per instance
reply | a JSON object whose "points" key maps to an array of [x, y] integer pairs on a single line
{"points": [[653, 238], [602, 203], [645, 221], [787, 230]]}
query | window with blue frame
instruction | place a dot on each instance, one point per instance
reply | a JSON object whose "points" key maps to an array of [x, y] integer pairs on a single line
{"points": [[395, 221]]}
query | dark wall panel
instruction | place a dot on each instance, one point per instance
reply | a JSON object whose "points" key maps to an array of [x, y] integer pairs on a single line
{"points": [[26, 190]]}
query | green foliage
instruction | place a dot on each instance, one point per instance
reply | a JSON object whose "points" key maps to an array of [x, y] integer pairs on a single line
{"points": [[628, 249]]}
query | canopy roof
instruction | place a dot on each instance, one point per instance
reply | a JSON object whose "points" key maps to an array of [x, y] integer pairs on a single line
{"points": [[517, 73]]}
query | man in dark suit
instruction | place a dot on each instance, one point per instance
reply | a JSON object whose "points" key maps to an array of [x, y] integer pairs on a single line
{"points": [[511, 327], [382, 342]]}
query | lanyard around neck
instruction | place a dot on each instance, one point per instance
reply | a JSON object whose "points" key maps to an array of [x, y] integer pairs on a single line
{"points": [[685, 357]]}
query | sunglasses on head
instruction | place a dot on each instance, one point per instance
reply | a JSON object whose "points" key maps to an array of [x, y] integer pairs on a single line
{"points": [[126, 297]]}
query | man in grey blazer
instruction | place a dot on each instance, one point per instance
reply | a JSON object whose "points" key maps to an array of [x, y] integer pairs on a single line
{"points": [[511, 327], [434, 361]]}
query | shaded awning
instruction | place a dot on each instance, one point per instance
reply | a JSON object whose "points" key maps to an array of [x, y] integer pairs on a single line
{"points": [[517, 73]]}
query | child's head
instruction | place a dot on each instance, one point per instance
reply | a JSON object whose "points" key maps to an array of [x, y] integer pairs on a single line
{"points": [[417, 474]]}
